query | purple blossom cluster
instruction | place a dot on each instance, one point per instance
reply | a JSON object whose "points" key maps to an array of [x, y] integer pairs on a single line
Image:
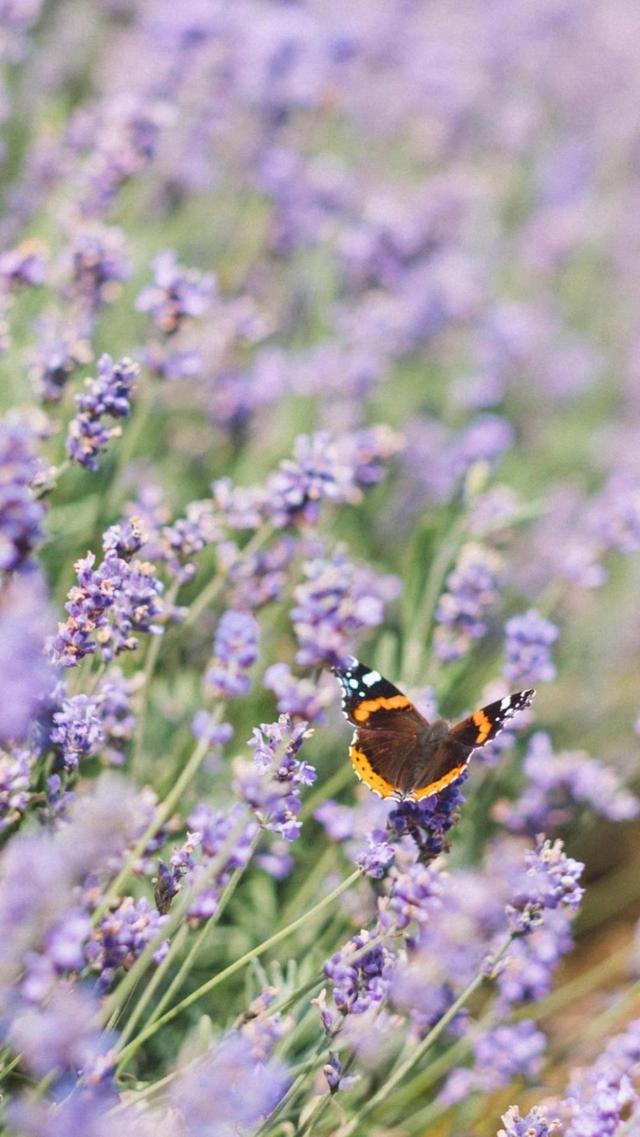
{"points": [[235, 650], [21, 515], [107, 396], [557, 784], [550, 882], [336, 601], [111, 603], [359, 975], [176, 295], [219, 843], [472, 590], [272, 784], [122, 936], [528, 640]]}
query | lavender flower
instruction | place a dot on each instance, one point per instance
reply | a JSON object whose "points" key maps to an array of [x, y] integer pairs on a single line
{"points": [[549, 882], [42, 873], [113, 701], [109, 604], [272, 786], [428, 822], [57, 353], [27, 676], [235, 650], [300, 698], [500, 1055], [245, 1089], [78, 731], [359, 975], [472, 589], [535, 1124], [107, 396], [336, 601], [122, 936], [16, 771], [219, 843], [414, 896], [177, 294], [557, 783], [528, 640], [188, 536], [25, 266], [61, 1038], [97, 265], [21, 515]]}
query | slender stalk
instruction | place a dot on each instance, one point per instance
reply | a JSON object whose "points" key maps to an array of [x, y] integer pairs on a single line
{"points": [[418, 1052], [163, 812], [177, 917], [237, 965], [148, 672], [193, 952], [210, 592], [150, 988], [423, 619]]}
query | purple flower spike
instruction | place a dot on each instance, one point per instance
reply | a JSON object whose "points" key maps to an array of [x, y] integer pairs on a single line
{"points": [[78, 730], [109, 604], [528, 641], [235, 650], [27, 676], [20, 514], [109, 395], [357, 984], [272, 786], [472, 589], [337, 600], [25, 266], [534, 1124], [549, 882], [428, 822], [177, 294]]}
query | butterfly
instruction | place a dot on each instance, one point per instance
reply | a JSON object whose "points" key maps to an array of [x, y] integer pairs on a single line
{"points": [[395, 751]]}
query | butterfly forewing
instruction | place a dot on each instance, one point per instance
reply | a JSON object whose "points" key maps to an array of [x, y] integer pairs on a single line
{"points": [[484, 724], [372, 701]]}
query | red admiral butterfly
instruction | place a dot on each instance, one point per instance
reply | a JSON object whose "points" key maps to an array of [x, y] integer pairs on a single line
{"points": [[395, 751]]}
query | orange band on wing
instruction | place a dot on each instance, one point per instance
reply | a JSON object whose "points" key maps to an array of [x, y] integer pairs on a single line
{"points": [[484, 725], [367, 774], [369, 706], [435, 787]]}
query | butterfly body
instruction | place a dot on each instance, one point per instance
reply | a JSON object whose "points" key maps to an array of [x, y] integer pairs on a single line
{"points": [[396, 751]]}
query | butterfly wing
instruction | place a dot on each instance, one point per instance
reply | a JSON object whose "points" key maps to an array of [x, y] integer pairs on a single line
{"points": [[450, 757], [372, 701], [384, 761], [384, 748], [484, 724]]}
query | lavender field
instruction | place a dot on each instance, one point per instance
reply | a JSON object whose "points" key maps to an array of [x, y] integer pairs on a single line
{"points": [[319, 339]]}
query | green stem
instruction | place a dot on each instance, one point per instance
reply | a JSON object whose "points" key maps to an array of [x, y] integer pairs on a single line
{"points": [[215, 585], [227, 972], [418, 1052], [423, 619], [150, 988], [128, 443], [177, 918], [192, 954], [148, 672], [163, 812]]}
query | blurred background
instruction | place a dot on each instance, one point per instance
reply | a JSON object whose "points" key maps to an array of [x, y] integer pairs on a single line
{"points": [[419, 215]]}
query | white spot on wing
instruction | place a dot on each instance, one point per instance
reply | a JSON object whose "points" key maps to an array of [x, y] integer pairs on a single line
{"points": [[371, 677]]}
